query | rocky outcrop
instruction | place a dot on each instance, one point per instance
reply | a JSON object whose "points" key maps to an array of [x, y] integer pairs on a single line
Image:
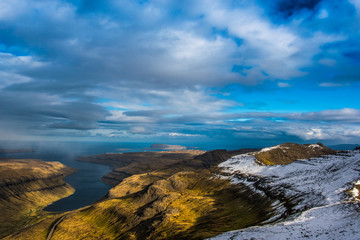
{"points": [[288, 152], [214, 157], [26, 186]]}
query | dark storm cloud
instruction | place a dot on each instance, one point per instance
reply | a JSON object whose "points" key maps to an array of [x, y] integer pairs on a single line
{"points": [[74, 125], [290, 7], [353, 55], [48, 111]]}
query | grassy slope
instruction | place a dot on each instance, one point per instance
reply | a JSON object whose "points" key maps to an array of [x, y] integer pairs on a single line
{"points": [[182, 200], [26, 186], [187, 205], [288, 152]]}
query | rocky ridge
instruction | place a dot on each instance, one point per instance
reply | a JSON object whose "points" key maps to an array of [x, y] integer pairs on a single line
{"points": [[318, 196], [289, 152]]}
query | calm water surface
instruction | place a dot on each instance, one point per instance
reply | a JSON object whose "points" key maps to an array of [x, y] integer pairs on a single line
{"points": [[86, 181]]}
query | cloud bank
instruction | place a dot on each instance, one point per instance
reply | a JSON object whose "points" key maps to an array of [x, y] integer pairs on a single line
{"points": [[228, 70]]}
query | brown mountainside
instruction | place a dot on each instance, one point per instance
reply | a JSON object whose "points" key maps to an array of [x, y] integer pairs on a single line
{"points": [[288, 152], [26, 186]]}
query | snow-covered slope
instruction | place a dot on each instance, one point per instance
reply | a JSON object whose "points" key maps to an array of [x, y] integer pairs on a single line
{"points": [[318, 192]]}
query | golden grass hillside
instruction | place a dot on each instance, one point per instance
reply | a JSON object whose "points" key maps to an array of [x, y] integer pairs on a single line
{"points": [[166, 195], [288, 152], [26, 186], [186, 205]]}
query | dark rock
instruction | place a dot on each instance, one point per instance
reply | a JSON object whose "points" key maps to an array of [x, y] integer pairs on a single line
{"points": [[214, 157]]}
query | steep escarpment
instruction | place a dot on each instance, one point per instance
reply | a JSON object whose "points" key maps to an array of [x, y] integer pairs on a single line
{"points": [[288, 152], [214, 157], [26, 186]]}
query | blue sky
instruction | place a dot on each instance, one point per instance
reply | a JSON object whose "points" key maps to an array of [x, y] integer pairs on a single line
{"points": [[251, 72]]}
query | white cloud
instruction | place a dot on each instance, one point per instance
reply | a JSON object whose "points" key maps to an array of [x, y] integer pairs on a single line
{"points": [[276, 50], [323, 13], [8, 79], [139, 130], [356, 4], [120, 117], [330, 84], [12, 61], [324, 132], [327, 62], [283, 84], [54, 9], [175, 134]]}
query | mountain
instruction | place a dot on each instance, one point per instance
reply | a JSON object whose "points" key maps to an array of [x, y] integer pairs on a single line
{"points": [[322, 196], [288, 152], [288, 191], [26, 186], [180, 200]]}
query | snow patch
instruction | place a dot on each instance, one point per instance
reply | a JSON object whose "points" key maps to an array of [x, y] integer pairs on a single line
{"points": [[270, 148], [320, 187], [355, 192], [283, 148], [314, 146]]}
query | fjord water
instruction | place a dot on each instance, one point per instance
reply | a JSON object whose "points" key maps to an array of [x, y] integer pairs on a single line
{"points": [[87, 180]]}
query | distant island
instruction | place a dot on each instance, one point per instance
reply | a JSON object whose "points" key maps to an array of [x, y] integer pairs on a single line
{"points": [[160, 146]]}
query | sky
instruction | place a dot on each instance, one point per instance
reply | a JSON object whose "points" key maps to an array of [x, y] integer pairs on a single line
{"points": [[253, 72]]}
